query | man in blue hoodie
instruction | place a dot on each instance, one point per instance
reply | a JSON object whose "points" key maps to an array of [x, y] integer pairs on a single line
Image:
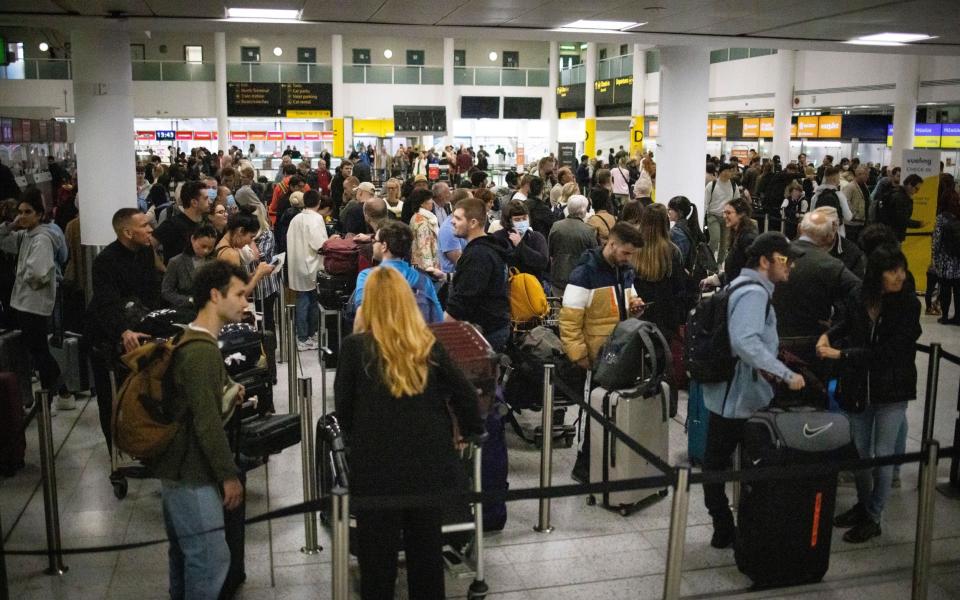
{"points": [[752, 325]]}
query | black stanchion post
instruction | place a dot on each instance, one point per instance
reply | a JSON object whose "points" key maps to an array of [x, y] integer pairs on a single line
{"points": [[546, 449], [678, 532], [341, 544], [951, 488], [925, 509], [48, 470], [930, 400]]}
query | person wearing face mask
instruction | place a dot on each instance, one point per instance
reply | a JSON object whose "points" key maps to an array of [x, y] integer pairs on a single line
{"points": [[530, 253], [178, 278]]}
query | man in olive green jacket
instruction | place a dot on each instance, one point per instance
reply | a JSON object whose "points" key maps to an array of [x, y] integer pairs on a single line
{"points": [[197, 473]]}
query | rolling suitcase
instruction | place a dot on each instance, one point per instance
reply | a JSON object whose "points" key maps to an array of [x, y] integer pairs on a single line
{"points": [[13, 442], [262, 435], [784, 527], [643, 414], [697, 420], [334, 291], [71, 355], [14, 360]]}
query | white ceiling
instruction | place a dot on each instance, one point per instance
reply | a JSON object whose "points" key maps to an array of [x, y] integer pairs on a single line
{"points": [[717, 23]]}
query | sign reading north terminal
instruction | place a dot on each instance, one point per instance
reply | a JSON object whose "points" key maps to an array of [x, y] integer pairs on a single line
{"points": [[272, 99]]}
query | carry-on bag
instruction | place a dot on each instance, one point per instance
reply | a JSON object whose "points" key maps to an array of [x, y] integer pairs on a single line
{"points": [[241, 346], [698, 417], [71, 356], [13, 442], [635, 351], [263, 435], [14, 360], [784, 526], [641, 413], [470, 351], [335, 290]]}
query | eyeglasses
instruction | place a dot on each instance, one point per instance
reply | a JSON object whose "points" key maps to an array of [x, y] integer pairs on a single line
{"points": [[783, 260]]}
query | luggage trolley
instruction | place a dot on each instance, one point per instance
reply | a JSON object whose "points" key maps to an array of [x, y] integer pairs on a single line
{"points": [[332, 472]]}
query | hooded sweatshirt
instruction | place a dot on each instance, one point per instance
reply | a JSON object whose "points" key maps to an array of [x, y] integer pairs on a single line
{"points": [[480, 292], [35, 289]]}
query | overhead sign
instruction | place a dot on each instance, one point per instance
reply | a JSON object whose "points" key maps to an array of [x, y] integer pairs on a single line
{"points": [[612, 92], [184, 135], [309, 100], [926, 135], [274, 136], [829, 126], [766, 127], [751, 128], [146, 135], [807, 127], [793, 130], [717, 127], [950, 136], [926, 164], [571, 97]]}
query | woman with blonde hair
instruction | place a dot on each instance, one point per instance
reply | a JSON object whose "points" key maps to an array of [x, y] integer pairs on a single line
{"points": [[391, 392], [659, 278]]}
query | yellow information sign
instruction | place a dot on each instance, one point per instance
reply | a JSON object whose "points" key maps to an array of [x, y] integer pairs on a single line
{"points": [[590, 137], [338, 138], [375, 127], [309, 114], [569, 115], [636, 136]]}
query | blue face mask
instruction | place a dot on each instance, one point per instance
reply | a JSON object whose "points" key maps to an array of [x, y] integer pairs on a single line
{"points": [[231, 202], [521, 226], [212, 193]]}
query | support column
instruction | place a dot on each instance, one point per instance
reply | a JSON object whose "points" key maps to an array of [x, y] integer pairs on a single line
{"points": [[106, 159], [638, 98], [684, 94], [907, 77], [553, 68], [449, 93], [589, 104], [220, 80], [783, 103], [336, 72]]}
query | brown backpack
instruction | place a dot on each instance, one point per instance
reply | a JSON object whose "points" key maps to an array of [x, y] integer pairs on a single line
{"points": [[143, 420]]}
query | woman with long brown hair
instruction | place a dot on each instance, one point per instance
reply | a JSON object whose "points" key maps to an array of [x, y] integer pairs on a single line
{"points": [[659, 278], [392, 390]]}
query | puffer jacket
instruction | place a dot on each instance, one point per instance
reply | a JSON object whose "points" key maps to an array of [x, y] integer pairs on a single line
{"points": [[595, 300]]}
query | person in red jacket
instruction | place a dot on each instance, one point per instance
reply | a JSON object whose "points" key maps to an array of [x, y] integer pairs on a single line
{"points": [[280, 201]]}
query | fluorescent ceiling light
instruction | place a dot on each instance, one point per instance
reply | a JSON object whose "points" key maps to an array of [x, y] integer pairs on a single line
{"points": [[602, 25], [890, 39], [267, 14]]}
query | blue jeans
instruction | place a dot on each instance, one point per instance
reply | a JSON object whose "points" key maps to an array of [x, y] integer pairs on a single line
{"points": [[308, 314], [875, 432], [901, 445], [198, 563]]}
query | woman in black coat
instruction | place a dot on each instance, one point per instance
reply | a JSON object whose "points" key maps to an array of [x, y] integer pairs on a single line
{"points": [[529, 247], [392, 391], [660, 276], [737, 216], [875, 348]]}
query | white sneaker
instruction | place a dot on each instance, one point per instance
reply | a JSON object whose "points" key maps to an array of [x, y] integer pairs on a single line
{"points": [[307, 345], [66, 402]]}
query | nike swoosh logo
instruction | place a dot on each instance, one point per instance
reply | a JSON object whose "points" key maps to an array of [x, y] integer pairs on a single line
{"points": [[757, 461], [816, 431]]}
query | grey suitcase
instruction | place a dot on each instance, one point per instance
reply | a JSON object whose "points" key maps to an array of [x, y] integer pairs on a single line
{"points": [[13, 358], [74, 365], [646, 419]]}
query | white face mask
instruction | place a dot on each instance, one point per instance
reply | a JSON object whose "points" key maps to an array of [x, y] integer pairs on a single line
{"points": [[521, 227]]}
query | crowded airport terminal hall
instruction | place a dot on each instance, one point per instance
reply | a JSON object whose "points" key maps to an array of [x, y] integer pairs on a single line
{"points": [[398, 299]]}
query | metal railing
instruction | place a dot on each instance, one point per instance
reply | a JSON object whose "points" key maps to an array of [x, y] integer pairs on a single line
{"points": [[501, 76], [282, 72], [615, 66], [38, 68], [391, 74], [574, 74]]}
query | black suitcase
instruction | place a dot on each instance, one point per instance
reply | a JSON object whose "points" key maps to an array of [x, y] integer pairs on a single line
{"points": [[241, 346], [15, 360], [13, 442], [334, 291], [258, 382], [263, 435], [784, 527]]}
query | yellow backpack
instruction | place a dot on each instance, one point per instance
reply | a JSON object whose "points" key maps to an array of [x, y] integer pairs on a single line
{"points": [[528, 301]]}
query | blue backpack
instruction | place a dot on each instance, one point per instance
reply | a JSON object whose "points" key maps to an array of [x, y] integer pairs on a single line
{"points": [[420, 292]]}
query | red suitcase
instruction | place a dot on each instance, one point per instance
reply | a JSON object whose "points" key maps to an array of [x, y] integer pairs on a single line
{"points": [[13, 442], [473, 354]]}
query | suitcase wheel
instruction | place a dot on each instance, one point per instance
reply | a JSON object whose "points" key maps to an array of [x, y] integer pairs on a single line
{"points": [[119, 483], [591, 500], [625, 510], [663, 493]]}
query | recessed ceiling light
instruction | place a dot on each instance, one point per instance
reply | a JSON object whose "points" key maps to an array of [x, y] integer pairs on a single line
{"points": [[388, 53], [492, 56], [890, 39], [278, 51], [44, 47], [268, 14], [602, 25]]}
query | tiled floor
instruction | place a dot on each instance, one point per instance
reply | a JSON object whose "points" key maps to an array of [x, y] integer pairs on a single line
{"points": [[593, 553]]}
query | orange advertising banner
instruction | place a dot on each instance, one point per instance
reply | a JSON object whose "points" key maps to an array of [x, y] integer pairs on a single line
{"points": [[766, 127], [807, 127], [830, 126], [751, 128]]}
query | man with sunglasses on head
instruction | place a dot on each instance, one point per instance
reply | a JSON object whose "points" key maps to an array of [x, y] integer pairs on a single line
{"points": [[752, 325]]}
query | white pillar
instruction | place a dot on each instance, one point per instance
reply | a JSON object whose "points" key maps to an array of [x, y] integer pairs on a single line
{"points": [[449, 93], [783, 103], [590, 106], [681, 145], [550, 110], [336, 72], [907, 77], [637, 98], [220, 81], [103, 104]]}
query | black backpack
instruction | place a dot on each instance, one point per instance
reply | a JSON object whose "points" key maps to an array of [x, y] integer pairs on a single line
{"points": [[706, 351], [636, 352], [829, 198]]}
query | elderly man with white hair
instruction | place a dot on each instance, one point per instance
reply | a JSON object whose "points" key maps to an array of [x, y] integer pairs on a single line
{"points": [[849, 253], [569, 238]]}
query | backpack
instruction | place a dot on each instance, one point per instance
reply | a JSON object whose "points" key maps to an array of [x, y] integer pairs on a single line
{"points": [[707, 349], [636, 350], [341, 257], [528, 301], [877, 212], [420, 292], [523, 379], [143, 423], [950, 238], [831, 199]]}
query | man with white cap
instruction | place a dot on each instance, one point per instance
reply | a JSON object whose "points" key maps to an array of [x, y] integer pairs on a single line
{"points": [[353, 221]]}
